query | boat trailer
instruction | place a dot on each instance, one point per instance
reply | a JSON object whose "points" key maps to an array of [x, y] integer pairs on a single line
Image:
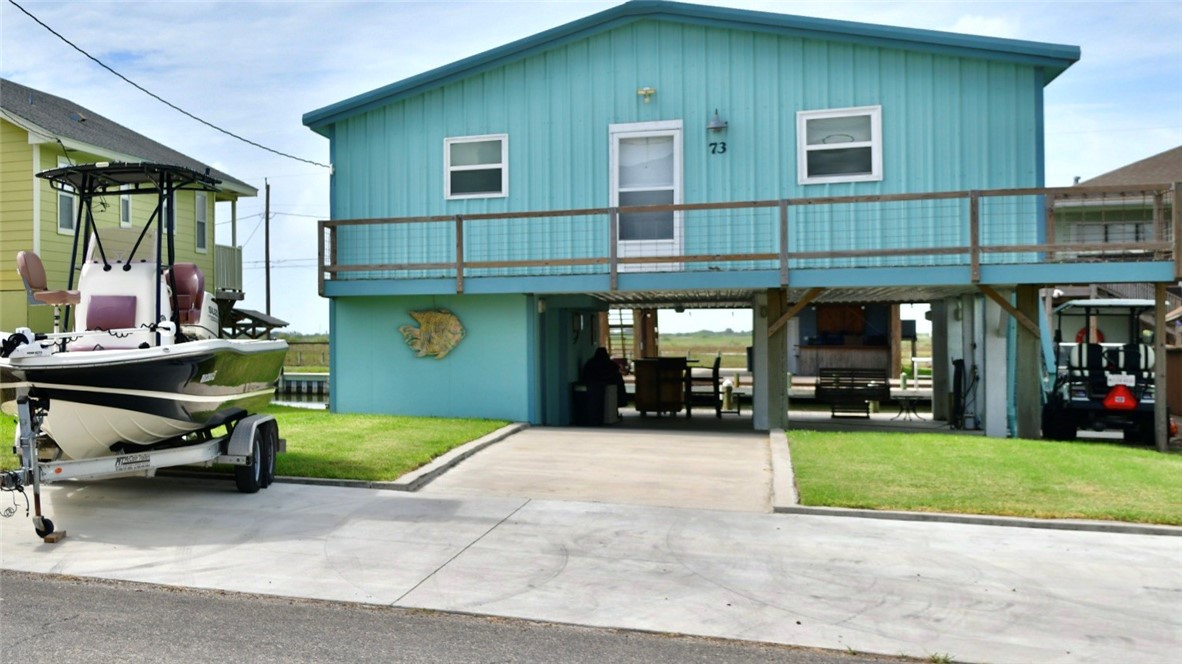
{"points": [[249, 444]]}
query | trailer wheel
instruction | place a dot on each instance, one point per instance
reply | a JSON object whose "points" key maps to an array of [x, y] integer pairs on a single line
{"points": [[249, 477], [45, 529], [270, 445]]}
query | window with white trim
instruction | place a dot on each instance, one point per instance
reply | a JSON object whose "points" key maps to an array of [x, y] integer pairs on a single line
{"points": [[476, 166], [125, 207], [200, 227], [839, 145], [67, 205]]}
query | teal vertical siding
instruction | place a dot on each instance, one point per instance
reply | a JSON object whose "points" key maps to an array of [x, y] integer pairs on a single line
{"points": [[948, 123], [484, 376]]}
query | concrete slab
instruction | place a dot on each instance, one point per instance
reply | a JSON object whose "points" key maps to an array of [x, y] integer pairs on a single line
{"points": [[686, 468], [976, 593]]}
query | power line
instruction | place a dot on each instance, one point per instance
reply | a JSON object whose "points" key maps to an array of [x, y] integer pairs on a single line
{"points": [[161, 99]]}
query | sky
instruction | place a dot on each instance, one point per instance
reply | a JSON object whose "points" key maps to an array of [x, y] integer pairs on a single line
{"points": [[254, 68]]}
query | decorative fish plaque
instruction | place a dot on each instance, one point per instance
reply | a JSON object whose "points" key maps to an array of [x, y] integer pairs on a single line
{"points": [[439, 331]]}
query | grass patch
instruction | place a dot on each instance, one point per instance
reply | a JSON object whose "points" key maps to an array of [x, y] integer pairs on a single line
{"points": [[978, 475], [343, 446]]}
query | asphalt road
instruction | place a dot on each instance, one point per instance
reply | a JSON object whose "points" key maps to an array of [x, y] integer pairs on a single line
{"points": [[69, 619]]}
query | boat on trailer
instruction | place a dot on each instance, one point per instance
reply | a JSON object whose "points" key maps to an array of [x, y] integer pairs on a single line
{"points": [[142, 379]]}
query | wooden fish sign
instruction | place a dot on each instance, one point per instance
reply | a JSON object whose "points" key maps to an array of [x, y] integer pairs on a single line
{"points": [[439, 331]]}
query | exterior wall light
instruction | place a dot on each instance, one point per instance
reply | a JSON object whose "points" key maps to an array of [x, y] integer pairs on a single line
{"points": [[716, 123], [646, 92]]}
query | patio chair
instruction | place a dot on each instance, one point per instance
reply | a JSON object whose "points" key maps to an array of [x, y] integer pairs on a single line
{"points": [[712, 398]]}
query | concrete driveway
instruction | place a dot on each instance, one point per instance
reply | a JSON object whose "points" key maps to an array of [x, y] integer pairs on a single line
{"points": [[687, 463], [975, 593]]}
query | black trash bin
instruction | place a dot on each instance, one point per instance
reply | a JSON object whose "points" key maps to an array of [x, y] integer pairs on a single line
{"points": [[586, 404]]}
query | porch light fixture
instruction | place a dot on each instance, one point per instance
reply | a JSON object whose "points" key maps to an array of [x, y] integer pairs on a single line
{"points": [[646, 92], [716, 123]]}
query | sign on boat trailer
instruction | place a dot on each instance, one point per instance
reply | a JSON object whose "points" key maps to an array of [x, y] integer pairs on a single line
{"points": [[249, 444]]}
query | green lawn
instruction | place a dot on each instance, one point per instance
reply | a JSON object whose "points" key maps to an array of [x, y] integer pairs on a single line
{"points": [[341, 446], [977, 475]]}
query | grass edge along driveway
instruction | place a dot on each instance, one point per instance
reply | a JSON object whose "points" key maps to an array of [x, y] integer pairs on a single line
{"points": [[995, 476], [345, 446]]}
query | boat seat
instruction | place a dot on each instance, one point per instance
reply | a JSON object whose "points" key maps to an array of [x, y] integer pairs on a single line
{"points": [[188, 287], [110, 312], [32, 272]]}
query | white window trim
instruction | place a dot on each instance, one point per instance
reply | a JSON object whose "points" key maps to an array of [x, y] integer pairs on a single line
{"points": [[125, 198], [62, 162], [448, 168], [203, 206], [875, 144]]}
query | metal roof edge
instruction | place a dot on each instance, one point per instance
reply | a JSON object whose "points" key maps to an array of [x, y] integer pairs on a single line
{"points": [[1055, 58]]}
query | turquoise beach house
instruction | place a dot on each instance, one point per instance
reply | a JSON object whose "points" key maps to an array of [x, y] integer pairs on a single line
{"points": [[782, 162]]}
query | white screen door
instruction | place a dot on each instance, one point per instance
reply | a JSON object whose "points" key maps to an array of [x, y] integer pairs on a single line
{"points": [[646, 170]]}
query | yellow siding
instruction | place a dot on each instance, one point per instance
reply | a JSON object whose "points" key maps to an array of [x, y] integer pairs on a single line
{"points": [[16, 202]]}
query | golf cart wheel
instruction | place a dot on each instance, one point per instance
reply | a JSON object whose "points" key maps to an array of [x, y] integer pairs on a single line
{"points": [[45, 529], [1057, 425], [249, 478]]}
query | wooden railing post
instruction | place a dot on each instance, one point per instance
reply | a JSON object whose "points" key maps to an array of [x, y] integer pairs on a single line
{"points": [[784, 243], [613, 216], [459, 253], [320, 228], [975, 236], [1049, 223]]}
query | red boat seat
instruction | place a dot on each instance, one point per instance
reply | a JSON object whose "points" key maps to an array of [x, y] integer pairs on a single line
{"points": [[188, 284]]}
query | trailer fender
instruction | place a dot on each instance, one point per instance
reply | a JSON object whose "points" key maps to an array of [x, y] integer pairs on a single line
{"points": [[241, 441]]}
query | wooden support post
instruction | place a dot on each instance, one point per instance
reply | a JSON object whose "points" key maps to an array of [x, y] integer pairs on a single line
{"points": [[1028, 378], [782, 319], [459, 253], [1161, 405], [777, 360], [1004, 303], [1049, 220], [1159, 222]]}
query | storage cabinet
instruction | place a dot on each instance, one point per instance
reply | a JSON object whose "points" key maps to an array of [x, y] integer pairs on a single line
{"points": [[660, 384]]}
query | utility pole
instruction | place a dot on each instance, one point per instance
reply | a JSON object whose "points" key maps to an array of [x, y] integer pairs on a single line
{"points": [[267, 242]]}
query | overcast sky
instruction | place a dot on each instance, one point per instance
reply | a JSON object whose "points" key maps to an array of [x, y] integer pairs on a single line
{"points": [[255, 68]]}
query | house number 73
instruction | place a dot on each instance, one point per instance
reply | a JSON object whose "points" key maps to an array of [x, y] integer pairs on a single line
{"points": [[718, 148]]}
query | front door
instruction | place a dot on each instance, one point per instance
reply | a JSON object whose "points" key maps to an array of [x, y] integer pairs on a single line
{"points": [[646, 170]]}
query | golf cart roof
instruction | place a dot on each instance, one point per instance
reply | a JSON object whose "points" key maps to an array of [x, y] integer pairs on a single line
{"points": [[1106, 304]]}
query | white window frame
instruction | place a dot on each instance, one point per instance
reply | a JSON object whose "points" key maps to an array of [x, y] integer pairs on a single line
{"points": [[125, 207], [72, 199], [448, 168], [201, 218], [875, 144]]}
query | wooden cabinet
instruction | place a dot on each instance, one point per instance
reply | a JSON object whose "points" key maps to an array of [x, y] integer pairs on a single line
{"points": [[660, 384]]}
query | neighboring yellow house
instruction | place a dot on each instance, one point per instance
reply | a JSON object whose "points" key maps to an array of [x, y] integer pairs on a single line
{"points": [[39, 132]]}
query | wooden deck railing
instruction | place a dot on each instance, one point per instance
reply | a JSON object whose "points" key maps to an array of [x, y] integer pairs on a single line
{"points": [[963, 227]]}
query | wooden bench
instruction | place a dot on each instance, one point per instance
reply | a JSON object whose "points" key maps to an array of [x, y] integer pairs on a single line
{"points": [[850, 391]]}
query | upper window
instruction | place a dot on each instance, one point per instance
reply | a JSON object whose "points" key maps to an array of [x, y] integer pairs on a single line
{"points": [[840, 145], [67, 205], [200, 228], [125, 207], [476, 166]]}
